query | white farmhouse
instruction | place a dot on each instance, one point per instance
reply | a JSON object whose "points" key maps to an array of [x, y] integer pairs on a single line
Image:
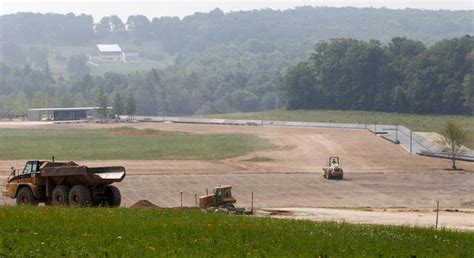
{"points": [[110, 52]]}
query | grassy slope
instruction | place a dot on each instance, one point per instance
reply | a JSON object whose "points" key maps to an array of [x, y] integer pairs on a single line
{"points": [[139, 232], [59, 66], [100, 144], [425, 123]]}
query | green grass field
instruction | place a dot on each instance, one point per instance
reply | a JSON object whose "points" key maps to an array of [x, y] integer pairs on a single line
{"points": [[106, 145], [423, 123], [53, 232]]}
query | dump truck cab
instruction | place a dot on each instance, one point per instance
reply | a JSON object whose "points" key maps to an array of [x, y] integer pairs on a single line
{"points": [[221, 196], [31, 167], [64, 183], [27, 177]]}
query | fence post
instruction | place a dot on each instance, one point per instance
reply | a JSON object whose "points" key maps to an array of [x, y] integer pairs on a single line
{"points": [[251, 204], [437, 214], [181, 195], [397, 134], [195, 200]]}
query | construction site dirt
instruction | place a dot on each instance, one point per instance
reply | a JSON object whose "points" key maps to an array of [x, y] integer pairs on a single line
{"points": [[377, 174]]}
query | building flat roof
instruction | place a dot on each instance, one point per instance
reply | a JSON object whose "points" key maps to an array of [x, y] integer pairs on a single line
{"points": [[109, 48], [65, 109]]}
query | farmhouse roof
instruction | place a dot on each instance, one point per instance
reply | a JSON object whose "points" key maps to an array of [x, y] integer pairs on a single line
{"points": [[109, 48]]}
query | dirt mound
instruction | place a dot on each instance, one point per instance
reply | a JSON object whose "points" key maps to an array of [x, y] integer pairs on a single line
{"points": [[259, 159], [144, 204], [134, 132]]}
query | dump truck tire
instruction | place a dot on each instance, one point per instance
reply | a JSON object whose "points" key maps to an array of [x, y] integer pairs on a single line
{"points": [[25, 197], [114, 198], [60, 195], [80, 196]]}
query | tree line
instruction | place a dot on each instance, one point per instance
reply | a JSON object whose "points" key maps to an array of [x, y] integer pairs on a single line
{"points": [[201, 31], [221, 80], [402, 76]]}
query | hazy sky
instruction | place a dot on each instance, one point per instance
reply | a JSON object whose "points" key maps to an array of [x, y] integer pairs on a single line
{"points": [[181, 8]]}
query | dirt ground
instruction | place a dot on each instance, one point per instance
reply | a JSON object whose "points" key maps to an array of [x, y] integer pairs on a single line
{"points": [[378, 174], [447, 218], [297, 150]]}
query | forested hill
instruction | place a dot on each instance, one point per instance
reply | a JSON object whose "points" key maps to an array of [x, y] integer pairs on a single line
{"points": [[403, 76], [202, 30], [414, 61]]}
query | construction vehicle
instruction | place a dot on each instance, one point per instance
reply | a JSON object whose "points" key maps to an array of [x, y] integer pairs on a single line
{"points": [[64, 183], [221, 197], [333, 170]]}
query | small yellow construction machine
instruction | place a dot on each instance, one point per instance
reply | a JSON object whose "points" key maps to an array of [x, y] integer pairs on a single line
{"points": [[333, 170], [64, 183], [221, 197]]}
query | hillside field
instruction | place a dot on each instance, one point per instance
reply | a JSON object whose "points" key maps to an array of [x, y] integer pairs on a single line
{"points": [[59, 55], [150, 232], [422, 123], [123, 143]]}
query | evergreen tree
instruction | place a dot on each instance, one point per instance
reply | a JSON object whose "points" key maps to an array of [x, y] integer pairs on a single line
{"points": [[131, 106], [21, 104], [118, 105], [101, 103], [77, 65]]}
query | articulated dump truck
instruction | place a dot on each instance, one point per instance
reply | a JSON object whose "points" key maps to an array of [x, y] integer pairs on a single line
{"points": [[64, 183]]}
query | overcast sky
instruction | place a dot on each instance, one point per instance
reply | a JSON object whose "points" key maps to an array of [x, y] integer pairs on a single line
{"points": [[181, 8]]}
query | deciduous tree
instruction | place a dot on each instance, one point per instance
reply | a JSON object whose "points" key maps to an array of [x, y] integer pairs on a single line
{"points": [[453, 137]]}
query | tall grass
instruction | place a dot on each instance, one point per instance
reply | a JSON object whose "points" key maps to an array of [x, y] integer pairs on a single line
{"points": [[53, 232], [105, 145]]}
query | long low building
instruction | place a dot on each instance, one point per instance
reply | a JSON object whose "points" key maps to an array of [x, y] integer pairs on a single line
{"points": [[62, 114]]}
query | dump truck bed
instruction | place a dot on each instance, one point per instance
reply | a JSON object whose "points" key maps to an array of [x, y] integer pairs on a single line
{"points": [[93, 175]]}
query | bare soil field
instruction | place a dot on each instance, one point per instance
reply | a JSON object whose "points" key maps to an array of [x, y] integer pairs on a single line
{"points": [[378, 174], [297, 150], [447, 218]]}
